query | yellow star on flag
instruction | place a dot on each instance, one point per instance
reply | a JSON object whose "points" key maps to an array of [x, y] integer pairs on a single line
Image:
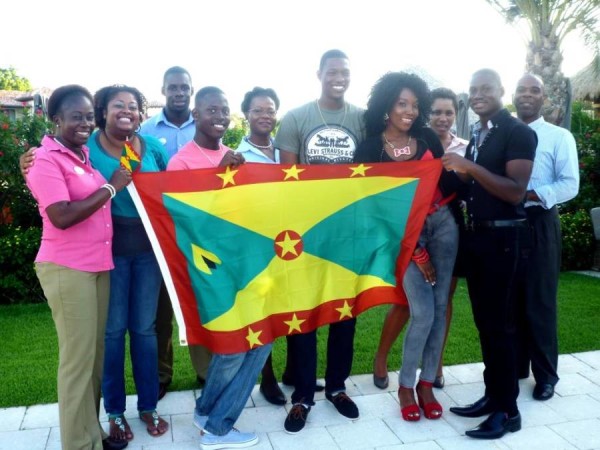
{"points": [[345, 311], [288, 245], [294, 324], [227, 177], [253, 338], [359, 170], [292, 172]]}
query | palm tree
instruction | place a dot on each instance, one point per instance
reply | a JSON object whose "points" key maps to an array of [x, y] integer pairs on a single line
{"points": [[549, 22]]}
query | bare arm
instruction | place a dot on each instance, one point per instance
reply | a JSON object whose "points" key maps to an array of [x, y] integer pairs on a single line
{"points": [[510, 188], [65, 214], [288, 157]]}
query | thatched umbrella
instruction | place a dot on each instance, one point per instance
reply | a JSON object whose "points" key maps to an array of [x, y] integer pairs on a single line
{"points": [[586, 86]]}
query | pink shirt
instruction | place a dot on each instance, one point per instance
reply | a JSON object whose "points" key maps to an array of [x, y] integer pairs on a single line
{"points": [[457, 145], [59, 175], [192, 156]]}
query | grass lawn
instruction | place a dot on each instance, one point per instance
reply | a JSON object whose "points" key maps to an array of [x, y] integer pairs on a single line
{"points": [[29, 354]]}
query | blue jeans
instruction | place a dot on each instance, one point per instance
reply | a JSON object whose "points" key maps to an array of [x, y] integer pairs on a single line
{"points": [[424, 337], [229, 383], [134, 286]]}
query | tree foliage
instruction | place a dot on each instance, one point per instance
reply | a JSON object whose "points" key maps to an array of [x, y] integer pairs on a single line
{"points": [[548, 23], [10, 81]]}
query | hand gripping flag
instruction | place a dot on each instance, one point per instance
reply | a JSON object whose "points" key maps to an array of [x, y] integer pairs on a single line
{"points": [[130, 159], [262, 251]]}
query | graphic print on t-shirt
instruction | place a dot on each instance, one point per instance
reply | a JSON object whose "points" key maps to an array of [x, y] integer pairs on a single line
{"points": [[331, 145]]}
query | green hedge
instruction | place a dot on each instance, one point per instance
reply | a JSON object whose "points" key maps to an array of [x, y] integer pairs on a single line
{"points": [[20, 222], [18, 282]]}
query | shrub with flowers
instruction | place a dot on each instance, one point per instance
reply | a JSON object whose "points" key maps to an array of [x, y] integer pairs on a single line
{"points": [[576, 223], [20, 224]]}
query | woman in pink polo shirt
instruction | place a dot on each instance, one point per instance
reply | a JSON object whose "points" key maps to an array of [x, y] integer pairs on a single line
{"points": [[74, 259]]}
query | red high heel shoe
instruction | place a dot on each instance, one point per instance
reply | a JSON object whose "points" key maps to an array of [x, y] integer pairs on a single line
{"points": [[410, 413], [433, 410]]}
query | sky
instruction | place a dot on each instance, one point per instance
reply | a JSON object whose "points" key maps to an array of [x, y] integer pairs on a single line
{"points": [[239, 44]]}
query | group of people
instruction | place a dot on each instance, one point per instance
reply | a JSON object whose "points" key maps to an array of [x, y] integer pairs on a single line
{"points": [[102, 280]]}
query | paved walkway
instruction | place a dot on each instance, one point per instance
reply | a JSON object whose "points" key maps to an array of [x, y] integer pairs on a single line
{"points": [[570, 420]]}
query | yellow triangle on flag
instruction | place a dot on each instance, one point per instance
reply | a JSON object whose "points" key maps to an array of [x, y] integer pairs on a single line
{"points": [[283, 203], [270, 293]]}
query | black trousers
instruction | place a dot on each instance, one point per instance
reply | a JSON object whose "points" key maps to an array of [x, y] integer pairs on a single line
{"points": [[493, 263], [537, 323], [302, 351]]}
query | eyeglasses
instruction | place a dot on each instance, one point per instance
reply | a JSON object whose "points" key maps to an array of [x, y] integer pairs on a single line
{"points": [[260, 112]]}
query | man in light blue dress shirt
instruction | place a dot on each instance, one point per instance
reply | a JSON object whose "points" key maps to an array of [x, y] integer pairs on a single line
{"points": [[174, 126], [554, 180]]}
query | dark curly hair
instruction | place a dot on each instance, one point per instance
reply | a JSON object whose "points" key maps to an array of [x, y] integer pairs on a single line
{"points": [[384, 94], [107, 93], [63, 94], [259, 92], [447, 94]]}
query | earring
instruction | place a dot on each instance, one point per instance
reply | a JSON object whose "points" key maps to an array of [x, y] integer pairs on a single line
{"points": [[386, 117]]}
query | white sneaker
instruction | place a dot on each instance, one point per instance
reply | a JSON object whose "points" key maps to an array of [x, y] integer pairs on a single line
{"points": [[233, 439], [199, 421]]}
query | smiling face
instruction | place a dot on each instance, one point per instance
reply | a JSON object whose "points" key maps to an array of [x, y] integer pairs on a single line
{"points": [[122, 113], [177, 88], [485, 95], [335, 78], [212, 117], [442, 116], [262, 115], [75, 121], [404, 111], [529, 98]]}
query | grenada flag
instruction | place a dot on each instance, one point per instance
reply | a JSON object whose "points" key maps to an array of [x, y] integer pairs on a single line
{"points": [[130, 159], [262, 251]]}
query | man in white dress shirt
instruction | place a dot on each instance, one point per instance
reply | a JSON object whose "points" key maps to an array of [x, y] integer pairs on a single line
{"points": [[554, 180]]}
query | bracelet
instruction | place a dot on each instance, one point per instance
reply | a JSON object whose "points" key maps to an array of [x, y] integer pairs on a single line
{"points": [[421, 258], [111, 189]]}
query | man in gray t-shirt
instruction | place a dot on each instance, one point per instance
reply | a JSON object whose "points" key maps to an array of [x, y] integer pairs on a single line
{"points": [[324, 131]]}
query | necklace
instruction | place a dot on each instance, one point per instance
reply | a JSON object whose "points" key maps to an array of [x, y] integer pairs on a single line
{"points": [[398, 151], [260, 147], [80, 158], [323, 119], [212, 163]]}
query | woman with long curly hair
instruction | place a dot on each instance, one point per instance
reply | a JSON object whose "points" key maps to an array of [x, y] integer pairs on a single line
{"points": [[395, 120]]}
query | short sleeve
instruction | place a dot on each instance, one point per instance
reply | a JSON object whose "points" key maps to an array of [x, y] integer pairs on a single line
{"points": [[521, 143], [47, 182], [288, 135]]}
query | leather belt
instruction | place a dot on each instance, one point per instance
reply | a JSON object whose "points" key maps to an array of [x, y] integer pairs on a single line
{"points": [[490, 224]]}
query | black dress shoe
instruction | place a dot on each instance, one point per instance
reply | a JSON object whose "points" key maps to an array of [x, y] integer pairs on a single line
{"points": [[481, 407], [162, 389], [543, 391], [272, 393], [496, 426], [113, 444], [439, 382]]}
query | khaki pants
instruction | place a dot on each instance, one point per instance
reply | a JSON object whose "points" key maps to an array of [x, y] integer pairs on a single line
{"points": [[79, 304], [199, 355]]}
